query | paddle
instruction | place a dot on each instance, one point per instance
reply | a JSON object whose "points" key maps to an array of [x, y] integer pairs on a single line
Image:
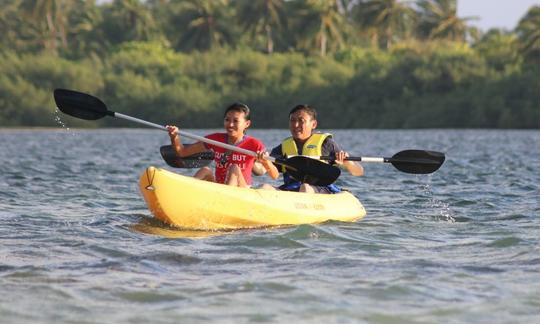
{"points": [[409, 161], [193, 161], [85, 106]]}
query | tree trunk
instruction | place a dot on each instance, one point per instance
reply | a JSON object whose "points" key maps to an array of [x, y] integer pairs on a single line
{"points": [[324, 40], [50, 44], [388, 38], [269, 41]]}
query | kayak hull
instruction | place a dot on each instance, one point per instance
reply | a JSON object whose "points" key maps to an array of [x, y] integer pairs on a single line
{"points": [[188, 203]]}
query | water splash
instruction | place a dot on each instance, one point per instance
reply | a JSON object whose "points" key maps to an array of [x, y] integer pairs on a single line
{"points": [[59, 120], [62, 124], [443, 208]]}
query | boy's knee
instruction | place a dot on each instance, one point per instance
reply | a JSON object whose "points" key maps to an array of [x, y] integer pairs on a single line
{"points": [[306, 188]]}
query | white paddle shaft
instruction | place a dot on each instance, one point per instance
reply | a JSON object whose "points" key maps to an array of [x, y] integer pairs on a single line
{"points": [[373, 159], [195, 137], [359, 159]]}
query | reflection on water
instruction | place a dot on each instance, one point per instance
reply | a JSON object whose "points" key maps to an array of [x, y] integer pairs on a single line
{"points": [[156, 227]]}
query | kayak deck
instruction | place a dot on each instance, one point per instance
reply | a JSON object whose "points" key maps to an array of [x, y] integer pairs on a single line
{"points": [[190, 203]]}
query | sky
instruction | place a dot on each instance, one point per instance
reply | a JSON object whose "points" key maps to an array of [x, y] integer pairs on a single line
{"points": [[495, 13]]}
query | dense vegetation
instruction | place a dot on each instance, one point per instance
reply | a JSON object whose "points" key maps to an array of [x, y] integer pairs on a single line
{"points": [[368, 64]]}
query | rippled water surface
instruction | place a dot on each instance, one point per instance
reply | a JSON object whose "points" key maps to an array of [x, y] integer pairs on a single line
{"points": [[77, 243]]}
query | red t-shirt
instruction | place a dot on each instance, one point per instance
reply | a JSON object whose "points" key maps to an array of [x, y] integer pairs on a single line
{"points": [[224, 157]]}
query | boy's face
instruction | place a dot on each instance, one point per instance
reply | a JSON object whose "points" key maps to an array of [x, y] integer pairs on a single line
{"points": [[235, 123], [301, 125]]}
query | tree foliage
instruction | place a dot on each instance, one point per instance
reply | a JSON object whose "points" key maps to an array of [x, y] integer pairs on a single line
{"points": [[528, 31], [439, 20], [369, 64]]}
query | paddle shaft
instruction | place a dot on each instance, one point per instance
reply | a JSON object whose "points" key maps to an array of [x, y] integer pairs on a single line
{"points": [[358, 158], [350, 158], [331, 158], [189, 135]]}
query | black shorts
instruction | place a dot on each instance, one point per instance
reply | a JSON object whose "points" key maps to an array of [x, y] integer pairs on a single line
{"points": [[317, 189]]}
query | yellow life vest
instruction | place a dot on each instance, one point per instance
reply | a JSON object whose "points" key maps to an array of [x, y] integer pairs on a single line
{"points": [[312, 147]]}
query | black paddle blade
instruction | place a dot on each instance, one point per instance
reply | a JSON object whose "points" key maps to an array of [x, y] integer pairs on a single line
{"points": [[417, 161], [80, 105], [193, 161], [311, 171]]}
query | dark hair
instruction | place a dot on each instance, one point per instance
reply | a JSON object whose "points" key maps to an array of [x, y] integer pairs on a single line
{"points": [[307, 108], [239, 107]]}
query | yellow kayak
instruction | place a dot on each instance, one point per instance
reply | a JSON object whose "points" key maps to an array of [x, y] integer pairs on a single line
{"points": [[189, 203]]}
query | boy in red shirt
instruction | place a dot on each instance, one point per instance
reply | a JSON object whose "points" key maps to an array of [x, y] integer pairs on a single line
{"points": [[232, 168]]}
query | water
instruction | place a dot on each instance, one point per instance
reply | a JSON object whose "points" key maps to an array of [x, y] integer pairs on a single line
{"points": [[77, 243]]}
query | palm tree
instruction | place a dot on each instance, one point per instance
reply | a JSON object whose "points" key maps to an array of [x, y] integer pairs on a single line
{"points": [[202, 24], [10, 24], [322, 24], [439, 20], [385, 20], [262, 17], [528, 31], [47, 21], [500, 49], [85, 35], [129, 20]]}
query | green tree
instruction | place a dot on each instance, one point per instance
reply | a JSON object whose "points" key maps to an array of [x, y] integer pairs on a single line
{"points": [[262, 17], [85, 35], [321, 23], [500, 50], [385, 20], [128, 20], [201, 24], [46, 23], [439, 19], [10, 24], [528, 31]]}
